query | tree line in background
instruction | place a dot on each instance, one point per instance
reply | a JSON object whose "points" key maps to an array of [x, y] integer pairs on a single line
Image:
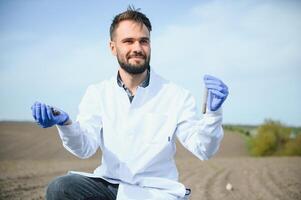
{"points": [[272, 138]]}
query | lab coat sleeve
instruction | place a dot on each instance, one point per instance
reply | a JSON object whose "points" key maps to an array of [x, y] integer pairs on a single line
{"points": [[201, 136], [83, 137]]}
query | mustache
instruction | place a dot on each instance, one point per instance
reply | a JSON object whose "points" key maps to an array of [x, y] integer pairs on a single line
{"points": [[138, 54]]}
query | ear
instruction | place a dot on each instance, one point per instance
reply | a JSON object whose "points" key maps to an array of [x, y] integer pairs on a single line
{"points": [[113, 48]]}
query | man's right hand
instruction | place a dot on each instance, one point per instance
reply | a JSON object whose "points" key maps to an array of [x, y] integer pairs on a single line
{"points": [[46, 117]]}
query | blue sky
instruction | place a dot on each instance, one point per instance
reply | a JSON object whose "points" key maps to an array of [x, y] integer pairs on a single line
{"points": [[52, 50]]}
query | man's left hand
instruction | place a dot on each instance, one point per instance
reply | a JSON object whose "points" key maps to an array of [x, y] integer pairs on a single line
{"points": [[217, 92]]}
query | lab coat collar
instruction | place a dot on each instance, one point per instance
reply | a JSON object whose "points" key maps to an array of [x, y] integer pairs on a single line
{"points": [[143, 94]]}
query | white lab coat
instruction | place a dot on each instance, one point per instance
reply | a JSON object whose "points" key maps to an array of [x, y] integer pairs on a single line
{"points": [[137, 139]]}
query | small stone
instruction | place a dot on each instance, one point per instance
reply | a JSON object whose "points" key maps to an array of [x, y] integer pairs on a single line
{"points": [[229, 187]]}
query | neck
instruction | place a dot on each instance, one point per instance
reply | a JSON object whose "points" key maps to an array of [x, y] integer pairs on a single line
{"points": [[132, 81]]}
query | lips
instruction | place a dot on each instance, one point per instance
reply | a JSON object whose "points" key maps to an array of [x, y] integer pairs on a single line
{"points": [[137, 57]]}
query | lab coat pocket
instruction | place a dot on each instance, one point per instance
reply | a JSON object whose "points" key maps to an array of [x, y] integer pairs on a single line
{"points": [[154, 139], [155, 128]]}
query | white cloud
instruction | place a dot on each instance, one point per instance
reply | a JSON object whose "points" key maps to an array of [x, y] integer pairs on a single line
{"points": [[254, 47], [55, 70]]}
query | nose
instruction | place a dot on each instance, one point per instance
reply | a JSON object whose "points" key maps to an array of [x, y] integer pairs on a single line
{"points": [[137, 47]]}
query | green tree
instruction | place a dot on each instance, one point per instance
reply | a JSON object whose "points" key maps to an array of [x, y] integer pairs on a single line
{"points": [[271, 139], [293, 147]]}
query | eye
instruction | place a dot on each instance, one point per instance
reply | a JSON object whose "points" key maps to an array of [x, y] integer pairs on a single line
{"points": [[128, 41], [144, 41]]}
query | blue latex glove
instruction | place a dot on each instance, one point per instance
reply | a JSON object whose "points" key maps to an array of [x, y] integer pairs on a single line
{"points": [[217, 92], [47, 116]]}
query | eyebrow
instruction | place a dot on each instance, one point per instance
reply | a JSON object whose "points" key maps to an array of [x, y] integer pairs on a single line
{"points": [[142, 38]]}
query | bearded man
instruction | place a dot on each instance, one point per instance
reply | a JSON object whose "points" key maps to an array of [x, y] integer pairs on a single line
{"points": [[134, 118]]}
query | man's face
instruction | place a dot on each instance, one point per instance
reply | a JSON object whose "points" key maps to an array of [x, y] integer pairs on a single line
{"points": [[131, 46]]}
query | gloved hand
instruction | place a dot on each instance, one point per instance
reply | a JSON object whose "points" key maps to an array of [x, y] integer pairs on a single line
{"points": [[47, 116], [217, 92]]}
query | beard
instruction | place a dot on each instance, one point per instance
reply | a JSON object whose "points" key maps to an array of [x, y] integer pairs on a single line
{"points": [[134, 69]]}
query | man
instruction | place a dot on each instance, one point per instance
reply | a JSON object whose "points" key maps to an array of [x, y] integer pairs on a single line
{"points": [[135, 120]]}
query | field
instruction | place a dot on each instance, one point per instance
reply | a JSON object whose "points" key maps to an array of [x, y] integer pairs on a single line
{"points": [[30, 157]]}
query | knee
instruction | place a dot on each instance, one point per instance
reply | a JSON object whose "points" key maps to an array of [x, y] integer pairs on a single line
{"points": [[59, 187]]}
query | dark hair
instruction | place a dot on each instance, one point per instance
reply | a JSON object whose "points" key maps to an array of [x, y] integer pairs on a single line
{"points": [[130, 14]]}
